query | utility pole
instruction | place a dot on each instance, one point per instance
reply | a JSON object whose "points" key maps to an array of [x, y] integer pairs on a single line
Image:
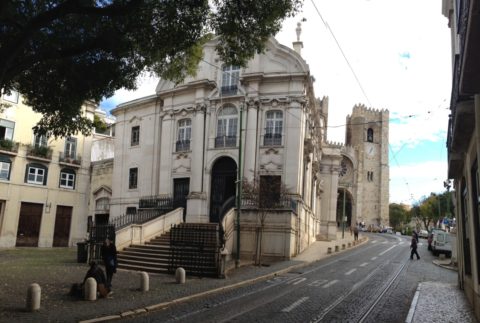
{"points": [[239, 188]]}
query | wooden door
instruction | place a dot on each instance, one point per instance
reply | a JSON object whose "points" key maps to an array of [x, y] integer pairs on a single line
{"points": [[29, 224], [63, 220]]}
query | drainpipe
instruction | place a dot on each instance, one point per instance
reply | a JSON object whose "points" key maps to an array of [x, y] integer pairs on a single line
{"points": [[239, 188]]}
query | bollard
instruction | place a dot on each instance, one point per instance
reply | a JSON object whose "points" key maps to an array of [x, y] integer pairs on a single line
{"points": [[349, 245], [343, 246], [180, 275], [90, 289], [144, 282], [34, 294], [329, 250], [336, 248]]}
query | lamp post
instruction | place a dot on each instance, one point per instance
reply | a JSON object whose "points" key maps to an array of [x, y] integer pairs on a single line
{"points": [[343, 216]]}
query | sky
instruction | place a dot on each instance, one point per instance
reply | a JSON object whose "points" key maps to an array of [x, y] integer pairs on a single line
{"points": [[385, 54]]}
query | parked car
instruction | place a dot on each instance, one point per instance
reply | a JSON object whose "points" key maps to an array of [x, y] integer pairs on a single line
{"points": [[423, 234], [442, 243], [430, 237]]}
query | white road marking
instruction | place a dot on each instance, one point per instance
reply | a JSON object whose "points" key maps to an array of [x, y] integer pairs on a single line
{"points": [[384, 252], [364, 264], [297, 303], [295, 281], [330, 283], [318, 282], [402, 242], [373, 258], [350, 271], [374, 241], [385, 242]]}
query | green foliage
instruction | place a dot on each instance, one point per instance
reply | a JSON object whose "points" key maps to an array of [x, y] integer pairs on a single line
{"points": [[433, 208], [58, 54], [99, 125], [398, 215], [40, 151], [7, 144]]}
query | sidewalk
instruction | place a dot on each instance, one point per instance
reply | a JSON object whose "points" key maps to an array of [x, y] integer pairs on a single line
{"points": [[55, 270]]}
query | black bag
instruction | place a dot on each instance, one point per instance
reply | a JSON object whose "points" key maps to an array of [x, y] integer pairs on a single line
{"points": [[76, 290]]}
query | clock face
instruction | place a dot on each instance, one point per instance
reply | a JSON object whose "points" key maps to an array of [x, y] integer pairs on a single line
{"points": [[371, 151]]}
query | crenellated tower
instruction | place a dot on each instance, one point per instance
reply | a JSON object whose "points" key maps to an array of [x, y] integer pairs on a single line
{"points": [[367, 133]]}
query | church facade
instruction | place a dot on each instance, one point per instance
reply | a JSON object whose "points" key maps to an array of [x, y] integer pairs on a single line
{"points": [[189, 141]]}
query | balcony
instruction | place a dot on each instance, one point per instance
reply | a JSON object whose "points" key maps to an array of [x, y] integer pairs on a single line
{"points": [[71, 159], [182, 145], [9, 147], [39, 152], [225, 141], [272, 139]]}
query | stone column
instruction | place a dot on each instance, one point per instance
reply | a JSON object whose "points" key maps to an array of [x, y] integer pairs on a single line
{"points": [[252, 135], [167, 142]]}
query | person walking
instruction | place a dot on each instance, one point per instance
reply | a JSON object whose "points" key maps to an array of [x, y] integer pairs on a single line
{"points": [[413, 246], [109, 255], [355, 233]]}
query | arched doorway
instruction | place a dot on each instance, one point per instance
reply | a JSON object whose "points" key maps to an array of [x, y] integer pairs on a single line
{"points": [[344, 199], [224, 174]]}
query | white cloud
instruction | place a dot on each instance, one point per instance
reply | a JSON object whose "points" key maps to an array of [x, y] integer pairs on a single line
{"points": [[408, 183]]}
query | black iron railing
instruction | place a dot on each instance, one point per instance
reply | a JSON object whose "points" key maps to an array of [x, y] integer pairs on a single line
{"points": [[272, 139], [156, 202], [226, 141], [283, 203], [196, 248], [182, 145], [140, 217], [96, 236]]}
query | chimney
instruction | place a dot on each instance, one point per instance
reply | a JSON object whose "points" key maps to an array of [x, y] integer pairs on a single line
{"points": [[298, 45]]}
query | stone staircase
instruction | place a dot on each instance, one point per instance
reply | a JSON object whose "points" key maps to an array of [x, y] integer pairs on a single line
{"points": [[192, 246]]}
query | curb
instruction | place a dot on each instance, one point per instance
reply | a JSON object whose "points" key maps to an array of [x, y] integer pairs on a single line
{"points": [[159, 306]]}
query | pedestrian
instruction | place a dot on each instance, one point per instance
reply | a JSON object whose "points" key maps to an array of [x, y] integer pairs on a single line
{"points": [[355, 233], [97, 273], [413, 246], [109, 255], [416, 235]]}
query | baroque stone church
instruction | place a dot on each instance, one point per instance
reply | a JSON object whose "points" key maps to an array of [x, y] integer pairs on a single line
{"points": [[262, 123]]}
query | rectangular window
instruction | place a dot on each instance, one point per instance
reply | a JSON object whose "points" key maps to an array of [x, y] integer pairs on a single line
{"points": [[133, 178], [135, 138], [36, 175], [70, 147], [131, 210], [6, 129], [12, 97], [5, 170], [67, 180], [40, 141]]}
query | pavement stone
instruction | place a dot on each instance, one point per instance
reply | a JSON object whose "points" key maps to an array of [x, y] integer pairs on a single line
{"points": [[55, 270]]}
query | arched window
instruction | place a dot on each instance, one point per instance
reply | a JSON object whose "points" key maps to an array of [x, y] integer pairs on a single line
{"points": [[370, 135], [230, 77], [227, 127], [273, 128], [102, 204], [184, 135]]}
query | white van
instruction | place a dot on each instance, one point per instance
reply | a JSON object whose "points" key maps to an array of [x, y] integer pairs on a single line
{"points": [[442, 243]]}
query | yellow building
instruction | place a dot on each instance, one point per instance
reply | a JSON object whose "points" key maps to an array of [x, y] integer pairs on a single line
{"points": [[44, 182]]}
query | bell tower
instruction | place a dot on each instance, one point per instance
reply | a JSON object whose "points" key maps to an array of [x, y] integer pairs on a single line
{"points": [[367, 134]]}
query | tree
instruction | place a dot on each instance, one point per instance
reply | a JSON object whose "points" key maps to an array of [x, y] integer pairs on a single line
{"points": [[264, 194], [58, 54], [434, 208], [398, 215]]}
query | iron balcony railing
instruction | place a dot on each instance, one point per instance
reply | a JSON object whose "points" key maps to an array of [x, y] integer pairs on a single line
{"points": [[9, 145], [39, 151], [283, 203], [272, 139], [225, 141], [156, 202], [229, 90], [182, 145], [71, 158]]}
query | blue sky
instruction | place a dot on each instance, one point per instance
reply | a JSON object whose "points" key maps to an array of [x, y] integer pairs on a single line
{"points": [[399, 51]]}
